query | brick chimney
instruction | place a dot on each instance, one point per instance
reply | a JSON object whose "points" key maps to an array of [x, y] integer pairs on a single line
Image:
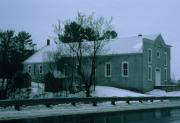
{"points": [[48, 42], [139, 35]]}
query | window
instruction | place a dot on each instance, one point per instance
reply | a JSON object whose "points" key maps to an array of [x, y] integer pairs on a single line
{"points": [[158, 54], [150, 55], [107, 70], [29, 69], [150, 73], [40, 69], [165, 59], [125, 69], [165, 74], [65, 69]]}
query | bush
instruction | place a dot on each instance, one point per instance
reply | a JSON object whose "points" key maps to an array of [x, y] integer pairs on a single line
{"points": [[21, 80], [48, 79], [53, 84]]}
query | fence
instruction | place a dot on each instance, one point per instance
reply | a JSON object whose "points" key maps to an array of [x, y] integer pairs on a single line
{"points": [[94, 100]]}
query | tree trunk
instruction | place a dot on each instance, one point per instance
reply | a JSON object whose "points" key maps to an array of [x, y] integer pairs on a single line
{"points": [[3, 90], [88, 92]]}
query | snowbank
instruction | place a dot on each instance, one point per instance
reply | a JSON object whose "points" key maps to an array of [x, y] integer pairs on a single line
{"points": [[158, 92], [104, 91], [37, 87], [37, 91], [101, 91]]}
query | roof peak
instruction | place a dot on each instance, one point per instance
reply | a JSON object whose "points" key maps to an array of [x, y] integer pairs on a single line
{"points": [[148, 36]]}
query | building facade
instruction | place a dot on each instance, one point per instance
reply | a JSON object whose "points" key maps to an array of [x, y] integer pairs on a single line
{"points": [[137, 63]]}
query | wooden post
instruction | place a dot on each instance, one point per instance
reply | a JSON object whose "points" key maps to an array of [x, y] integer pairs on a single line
{"points": [[94, 103], [113, 102], [73, 103], [17, 107], [48, 105]]}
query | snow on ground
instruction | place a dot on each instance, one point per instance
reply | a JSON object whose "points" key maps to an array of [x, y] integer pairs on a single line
{"points": [[158, 92], [37, 90], [100, 91], [67, 109], [37, 87], [173, 93], [104, 91]]}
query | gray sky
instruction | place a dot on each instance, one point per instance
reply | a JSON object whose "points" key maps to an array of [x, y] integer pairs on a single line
{"points": [[130, 17]]}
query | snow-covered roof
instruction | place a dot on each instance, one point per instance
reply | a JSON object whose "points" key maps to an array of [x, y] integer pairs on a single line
{"points": [[125, 45], [42, 55]]}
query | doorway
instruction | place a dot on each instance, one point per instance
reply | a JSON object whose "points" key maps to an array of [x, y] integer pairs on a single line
{"points": [[158, 77]]}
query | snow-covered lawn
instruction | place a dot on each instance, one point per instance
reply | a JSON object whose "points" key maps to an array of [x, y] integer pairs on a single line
{"points": [[37, 91], [37, 87], [158, 92], [104, 91], [101, 91]]}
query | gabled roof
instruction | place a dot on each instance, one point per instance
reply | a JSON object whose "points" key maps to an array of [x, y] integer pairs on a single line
{"points": [[42, 55], [125, 45]]}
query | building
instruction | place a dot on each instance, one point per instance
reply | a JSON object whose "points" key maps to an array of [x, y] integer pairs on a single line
{"points": [[137, 63]]}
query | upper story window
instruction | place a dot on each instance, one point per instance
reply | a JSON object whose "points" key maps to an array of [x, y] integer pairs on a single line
{"points": [[29, 69], [165, 58], [40, 69], [125, 69], [158, 54], [149, 73], [108, 70], [150, 55]]}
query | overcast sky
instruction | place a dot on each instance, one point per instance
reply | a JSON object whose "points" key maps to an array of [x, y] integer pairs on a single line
{"points": [[130, 17]]}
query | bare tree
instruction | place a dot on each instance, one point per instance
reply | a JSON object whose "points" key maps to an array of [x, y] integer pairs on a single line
{"points": [[85, 38]]}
